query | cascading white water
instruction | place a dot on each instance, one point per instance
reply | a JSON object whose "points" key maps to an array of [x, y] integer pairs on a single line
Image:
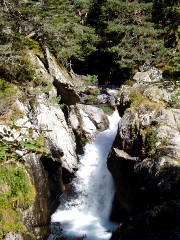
{"points": [[87, 212]]}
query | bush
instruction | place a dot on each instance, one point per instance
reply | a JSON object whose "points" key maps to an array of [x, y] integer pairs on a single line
{"points": [[8, 98]]}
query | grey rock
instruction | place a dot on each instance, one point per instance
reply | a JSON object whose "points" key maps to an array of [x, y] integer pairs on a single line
{"points": [[149, 132], [150, 76], [52, 122], [62, 81], [87, 120]]}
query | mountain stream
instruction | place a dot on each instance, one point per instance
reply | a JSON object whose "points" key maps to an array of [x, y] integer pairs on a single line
{"points": [[86, 211]]}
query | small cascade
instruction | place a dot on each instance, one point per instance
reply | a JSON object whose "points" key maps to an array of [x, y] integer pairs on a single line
{"points": [[87, 209]]}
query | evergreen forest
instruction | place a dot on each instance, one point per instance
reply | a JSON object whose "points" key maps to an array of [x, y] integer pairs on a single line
{"points": [[109, 39]]}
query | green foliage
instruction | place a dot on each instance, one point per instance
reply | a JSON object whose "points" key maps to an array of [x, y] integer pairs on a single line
{"points": [[175, 99], [89, 80], [150, 139], [26, 43], [90, 99], [8, 95], [109, 38], [14, 147], [16, 192], [42, 89], [130, 34], [24, 71], [93, 91], [23, 142], [106, 108]]}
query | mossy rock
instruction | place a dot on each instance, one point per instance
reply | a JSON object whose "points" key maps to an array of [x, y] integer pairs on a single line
{"points": [[139, 103], [149, 139], [17, 194], [9, 111]]}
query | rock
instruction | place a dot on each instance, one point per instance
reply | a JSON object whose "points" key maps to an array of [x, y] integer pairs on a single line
{"points": [[87, 121], [121, 165], [128, 138], [51, 120], [162, 176], [36, 218], [169, 117], [152, 75], [49, 177], [62, 81], [13, 236], [102, 98], [147, 190], [157, 94]]}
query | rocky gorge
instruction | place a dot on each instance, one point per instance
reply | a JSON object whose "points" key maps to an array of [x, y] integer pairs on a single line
{"points": [[144, 160]]}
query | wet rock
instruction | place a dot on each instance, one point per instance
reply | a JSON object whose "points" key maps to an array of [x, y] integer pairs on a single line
{"points": [[121, 165]]}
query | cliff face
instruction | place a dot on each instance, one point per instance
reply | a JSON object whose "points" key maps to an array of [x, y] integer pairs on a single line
{"points": [[144, 160], [41, 144]]}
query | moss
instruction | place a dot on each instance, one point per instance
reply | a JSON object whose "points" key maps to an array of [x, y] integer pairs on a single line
{"points": [[90, 99], [16, 192], [8, 107], [149, 139], [106, 108], [33, 45], [22, 44], [9, 221], [139, 102]]}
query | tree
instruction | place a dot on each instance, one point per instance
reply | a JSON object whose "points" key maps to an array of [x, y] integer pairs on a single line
{"points": [[129, 37]]}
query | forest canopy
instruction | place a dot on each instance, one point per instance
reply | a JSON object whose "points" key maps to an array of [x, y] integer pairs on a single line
{"points": [[107, 38]]}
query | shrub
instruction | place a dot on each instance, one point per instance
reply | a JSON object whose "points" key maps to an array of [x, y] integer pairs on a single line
{"points": [[149, 137], [8, 96]]}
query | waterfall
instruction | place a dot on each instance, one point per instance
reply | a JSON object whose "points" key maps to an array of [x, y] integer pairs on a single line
{"points": [[87, 211]]}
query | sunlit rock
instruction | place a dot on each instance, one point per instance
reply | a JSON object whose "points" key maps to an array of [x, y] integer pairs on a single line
{"points": [[62, 80], [151, 75], [87, 121], [147, 190]]}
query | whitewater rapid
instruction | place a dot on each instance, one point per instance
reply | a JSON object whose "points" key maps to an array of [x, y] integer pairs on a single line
{"points": [[86, 211]]}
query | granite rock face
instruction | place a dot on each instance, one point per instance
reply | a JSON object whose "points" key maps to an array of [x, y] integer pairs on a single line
{"points": [[147, 174], [62, 80], [50, 166]]}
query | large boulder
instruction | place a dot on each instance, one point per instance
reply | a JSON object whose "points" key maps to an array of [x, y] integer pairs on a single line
{"points": [[51, 121], [148, 76], [121, 165], [50, 167], [87, 121]]}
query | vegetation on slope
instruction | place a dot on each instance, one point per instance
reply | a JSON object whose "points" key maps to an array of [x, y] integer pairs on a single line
{"points": [[106, 38], [17, 194]]}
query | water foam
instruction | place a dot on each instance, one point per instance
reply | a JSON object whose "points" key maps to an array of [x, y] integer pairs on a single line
{"points": [[87, 211]]}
